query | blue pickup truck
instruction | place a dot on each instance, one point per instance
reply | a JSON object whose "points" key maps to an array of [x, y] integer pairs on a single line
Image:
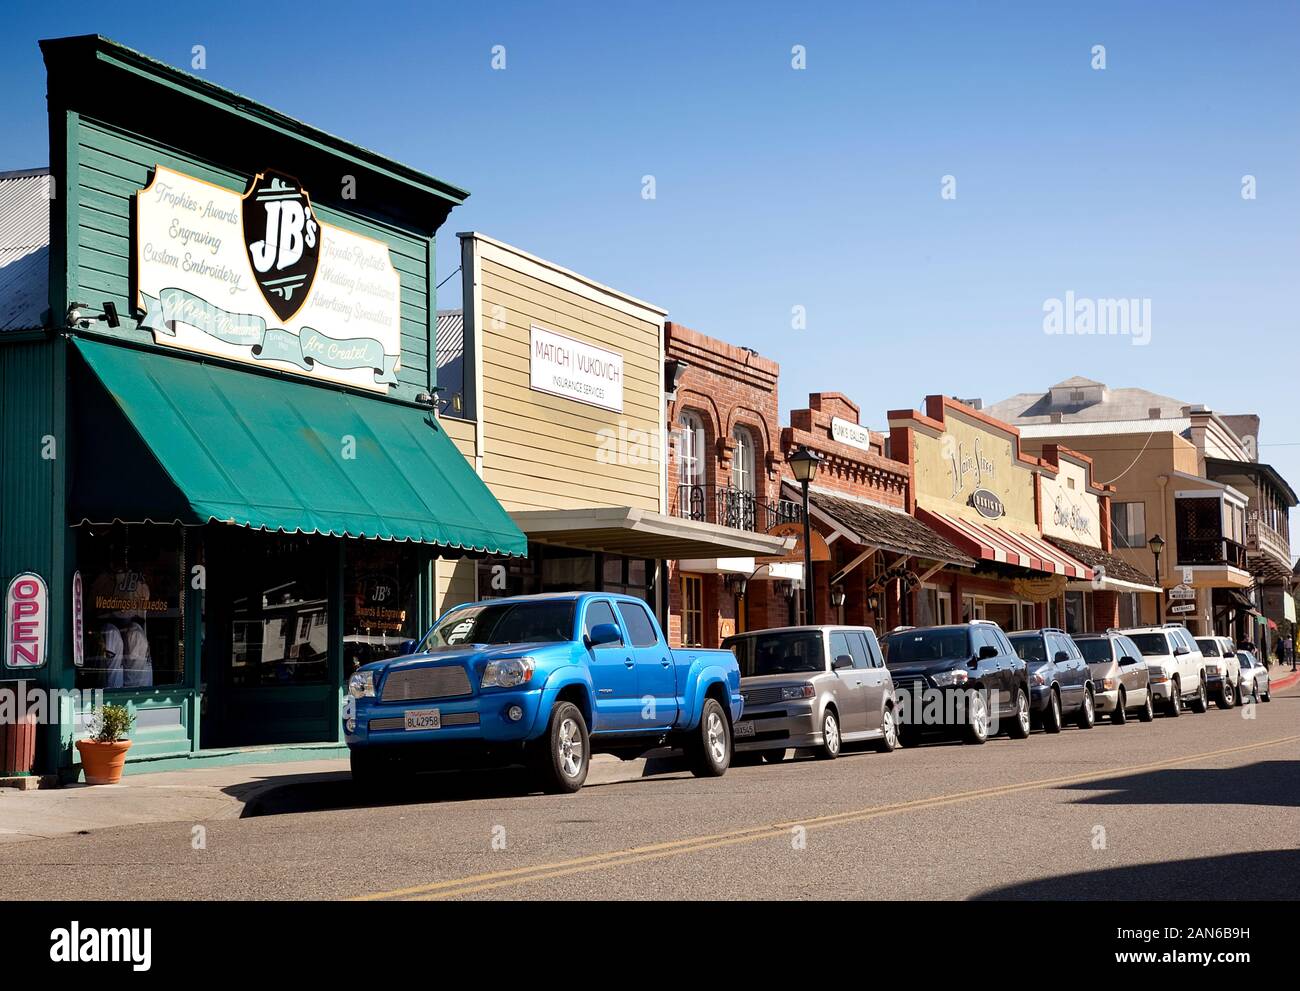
{"points": [[543, 680]]}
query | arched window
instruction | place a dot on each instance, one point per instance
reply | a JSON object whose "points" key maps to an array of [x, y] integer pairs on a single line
{"points": [[743, 475], [690, 448]]}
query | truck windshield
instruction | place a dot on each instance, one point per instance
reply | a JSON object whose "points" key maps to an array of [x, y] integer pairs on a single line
{"points": [[1029, 646], [778, 653], [504, 622], [937, 644]]}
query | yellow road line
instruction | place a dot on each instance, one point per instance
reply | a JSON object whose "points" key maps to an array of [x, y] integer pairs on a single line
{"points": [[655, 851]]}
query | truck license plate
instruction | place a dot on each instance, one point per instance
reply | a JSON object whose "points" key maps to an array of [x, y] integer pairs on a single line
{"points": [[423, 719], [745, 728]]}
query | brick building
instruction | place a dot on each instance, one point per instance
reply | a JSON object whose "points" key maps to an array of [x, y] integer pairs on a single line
{"points": [[859, 504], [723, 468]]}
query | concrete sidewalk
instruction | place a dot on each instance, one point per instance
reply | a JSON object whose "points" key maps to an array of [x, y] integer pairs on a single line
{"points": [[206, 794]]}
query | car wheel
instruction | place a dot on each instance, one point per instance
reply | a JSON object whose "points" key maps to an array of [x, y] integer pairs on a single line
{"points": [[977, 716], [1120, 716], [1267, 694], [1052, 717], [1148, 712], [563, 753], [888, 741], [1087, 712], [830, 748], [1227, 696], [1175, 698], [1201, 703], [774, 756], [710, 748], [1019, 727]]}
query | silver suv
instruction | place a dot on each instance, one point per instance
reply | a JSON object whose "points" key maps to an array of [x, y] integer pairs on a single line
{"points": [[1176, 667], [813, 688], [1222, 670]]}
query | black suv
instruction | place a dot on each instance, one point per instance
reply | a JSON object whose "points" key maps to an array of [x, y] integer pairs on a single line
{"points": [[1060, 683], [958, 677]]}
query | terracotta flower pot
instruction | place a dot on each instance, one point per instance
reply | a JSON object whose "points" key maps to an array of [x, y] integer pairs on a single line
{"points": [[103, 762]]}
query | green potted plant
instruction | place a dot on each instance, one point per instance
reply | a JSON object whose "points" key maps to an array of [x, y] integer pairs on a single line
{"points": [[103, 753]]}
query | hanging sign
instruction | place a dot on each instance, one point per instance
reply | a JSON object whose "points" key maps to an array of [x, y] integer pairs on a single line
{"points": [[1039, 589], [26, 621], [78, 622], [1182, 592], [260, 278], [1185, 607], [820, 550]]}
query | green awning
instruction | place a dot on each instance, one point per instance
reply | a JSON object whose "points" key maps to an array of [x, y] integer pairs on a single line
{"points": [[226, 446]]}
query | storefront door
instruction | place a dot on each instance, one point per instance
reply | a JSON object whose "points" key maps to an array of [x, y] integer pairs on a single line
{"points": [[271, 656]]}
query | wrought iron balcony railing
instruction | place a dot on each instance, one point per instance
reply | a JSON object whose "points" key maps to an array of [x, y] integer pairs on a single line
{"points": [[732, 507]]}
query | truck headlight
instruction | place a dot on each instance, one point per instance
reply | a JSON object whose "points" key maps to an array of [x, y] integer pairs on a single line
{"points": [[509, 673], [1211, 669], [362, 685], [805, 691], [954, 677]]}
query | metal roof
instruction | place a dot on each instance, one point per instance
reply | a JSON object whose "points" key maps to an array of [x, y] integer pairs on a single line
{"points": [[24, 249], [450, 337]]}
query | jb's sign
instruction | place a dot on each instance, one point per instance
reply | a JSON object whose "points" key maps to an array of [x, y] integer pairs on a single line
{"points": [[260, 278], [27, 611]]}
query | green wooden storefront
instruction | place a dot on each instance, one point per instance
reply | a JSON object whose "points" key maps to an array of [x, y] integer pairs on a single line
{"points": [[117, 406]]}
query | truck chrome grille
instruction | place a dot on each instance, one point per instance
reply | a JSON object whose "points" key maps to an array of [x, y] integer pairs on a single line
{"points": [[446, 682]]}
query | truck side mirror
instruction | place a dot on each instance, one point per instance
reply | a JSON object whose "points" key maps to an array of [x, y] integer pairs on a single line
{"points": [[1062, 657], [841, 662], [603, 633], [408, 647], [987, 651], [1127, 661]]}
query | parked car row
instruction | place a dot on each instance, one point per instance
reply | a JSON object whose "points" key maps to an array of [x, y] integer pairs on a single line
{"points": [[547, 680]]}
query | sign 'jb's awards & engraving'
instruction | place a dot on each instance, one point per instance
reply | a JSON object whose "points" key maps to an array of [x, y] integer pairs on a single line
{"points": [[260, 278]]}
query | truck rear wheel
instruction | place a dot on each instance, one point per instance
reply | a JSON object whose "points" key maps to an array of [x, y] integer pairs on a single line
{"points": [[563, 754], [709, 746]]}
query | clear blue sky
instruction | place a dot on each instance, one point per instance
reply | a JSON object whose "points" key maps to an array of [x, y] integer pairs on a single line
{"points": [[821, 187]]}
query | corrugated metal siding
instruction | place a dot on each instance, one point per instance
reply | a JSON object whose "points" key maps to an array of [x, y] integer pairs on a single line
{"points": [[113, 167], [24, 249]]}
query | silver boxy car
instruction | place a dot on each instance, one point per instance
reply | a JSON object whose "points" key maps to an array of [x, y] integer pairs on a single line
{"points": [[812, 688], [1255, 682], [1119, 676]]}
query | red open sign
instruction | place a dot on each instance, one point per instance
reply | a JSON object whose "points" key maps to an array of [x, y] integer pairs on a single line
{"points": [[26, 621]]}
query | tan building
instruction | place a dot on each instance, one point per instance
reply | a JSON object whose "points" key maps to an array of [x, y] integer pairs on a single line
{"points": [[552, 386], [1179, 471]]}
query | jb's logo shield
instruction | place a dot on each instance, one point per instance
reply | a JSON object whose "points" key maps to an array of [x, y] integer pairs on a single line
{"points": [[282, 236]]}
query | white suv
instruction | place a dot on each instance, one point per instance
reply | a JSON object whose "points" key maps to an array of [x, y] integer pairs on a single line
{"points": [[1176, 665], [1222, 670]]}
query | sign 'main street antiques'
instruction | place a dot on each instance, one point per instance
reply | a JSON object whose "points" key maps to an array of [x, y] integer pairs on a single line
{"points": [[259, 278]]}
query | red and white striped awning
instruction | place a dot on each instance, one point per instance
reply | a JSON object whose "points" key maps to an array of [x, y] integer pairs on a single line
{"points": [[986, 542]]}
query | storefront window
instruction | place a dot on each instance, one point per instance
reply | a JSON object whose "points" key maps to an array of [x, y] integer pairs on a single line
{"points": [[1076, 612], [134, 604], [279, 632], [380, 601]]}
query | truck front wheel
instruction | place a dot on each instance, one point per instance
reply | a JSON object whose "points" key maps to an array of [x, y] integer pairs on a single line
{"points": [[563, 754], [709, 747]]}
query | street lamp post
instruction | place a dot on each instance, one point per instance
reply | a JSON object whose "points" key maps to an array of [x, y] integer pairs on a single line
{"points": [[803, 464], [1157, 544]]}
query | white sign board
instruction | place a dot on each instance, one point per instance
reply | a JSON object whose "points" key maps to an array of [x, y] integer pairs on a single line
{"points": [[575, 370], [259, 278], [27, 621], [1182, 592], [1186, 607], [852, 434]]}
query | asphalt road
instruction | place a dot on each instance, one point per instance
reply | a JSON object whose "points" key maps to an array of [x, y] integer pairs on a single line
{"points": [[1203, 806]]}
